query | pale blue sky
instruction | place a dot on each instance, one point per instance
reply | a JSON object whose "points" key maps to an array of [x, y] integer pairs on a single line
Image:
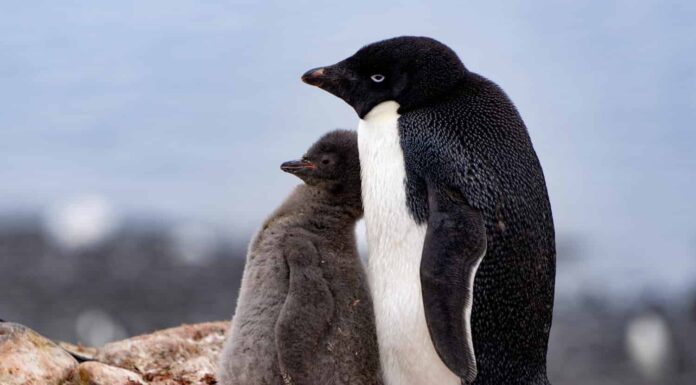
{"points": [[187, 108]]}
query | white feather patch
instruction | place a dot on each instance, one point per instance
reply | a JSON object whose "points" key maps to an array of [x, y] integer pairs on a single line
{"points": [[395, 244]]}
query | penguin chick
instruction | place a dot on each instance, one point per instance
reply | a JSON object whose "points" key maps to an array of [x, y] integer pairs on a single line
{"points": [[304, 314]]}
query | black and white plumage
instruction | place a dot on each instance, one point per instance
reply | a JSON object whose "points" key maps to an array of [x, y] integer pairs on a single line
{"points": [[304, 313], [456, 209]]}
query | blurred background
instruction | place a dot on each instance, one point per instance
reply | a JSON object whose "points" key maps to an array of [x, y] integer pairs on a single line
{"points": [[140, 144]]}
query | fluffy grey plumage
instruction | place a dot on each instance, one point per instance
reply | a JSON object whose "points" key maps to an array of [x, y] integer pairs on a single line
{"points": [[304, 315]]}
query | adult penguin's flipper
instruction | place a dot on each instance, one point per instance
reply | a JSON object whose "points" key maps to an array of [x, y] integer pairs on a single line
{"points": [[455, 243]]}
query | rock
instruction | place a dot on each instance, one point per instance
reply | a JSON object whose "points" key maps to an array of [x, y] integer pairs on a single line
{"points": [[96, 373], [185, 355], [199, 370], [82, 351], [26, 358]]}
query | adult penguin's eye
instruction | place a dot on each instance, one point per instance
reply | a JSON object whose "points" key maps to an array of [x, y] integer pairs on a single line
{"points": [[377, 78]]}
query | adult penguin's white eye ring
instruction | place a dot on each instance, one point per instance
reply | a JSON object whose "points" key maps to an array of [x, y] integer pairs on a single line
{"points": [[377, 78]]}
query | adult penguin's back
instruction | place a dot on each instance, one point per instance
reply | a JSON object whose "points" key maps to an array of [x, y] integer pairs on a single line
{"points": [[514, 283]]}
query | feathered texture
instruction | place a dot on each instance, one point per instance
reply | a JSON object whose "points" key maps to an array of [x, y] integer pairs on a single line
{"points": [[411, 83], [463, 140], [475, 143], [304, 314]]}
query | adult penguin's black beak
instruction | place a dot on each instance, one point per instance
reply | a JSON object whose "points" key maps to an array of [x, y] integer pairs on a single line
{"points": [[298, 167], [315, 76], [333, 78], [339, 80]]}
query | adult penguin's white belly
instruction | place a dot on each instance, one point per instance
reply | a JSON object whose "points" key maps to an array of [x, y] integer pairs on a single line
{"points": [[395, 243]]}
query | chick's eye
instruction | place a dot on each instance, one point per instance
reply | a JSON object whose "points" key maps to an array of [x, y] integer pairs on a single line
{"points": [[377, 78], [325, 161]]}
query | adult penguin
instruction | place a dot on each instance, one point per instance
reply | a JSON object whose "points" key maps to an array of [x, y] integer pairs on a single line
{"points": [[459, 226]]}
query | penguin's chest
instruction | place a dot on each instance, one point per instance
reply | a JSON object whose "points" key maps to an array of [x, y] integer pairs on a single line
{"points": [[395, 243]]}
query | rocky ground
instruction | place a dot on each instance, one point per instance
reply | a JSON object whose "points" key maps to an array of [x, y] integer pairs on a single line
{"points": [[141, 280], [184, 355], [187, 355]]}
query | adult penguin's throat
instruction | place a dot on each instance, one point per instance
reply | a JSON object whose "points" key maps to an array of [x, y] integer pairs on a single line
{"points": [[383, 113]]}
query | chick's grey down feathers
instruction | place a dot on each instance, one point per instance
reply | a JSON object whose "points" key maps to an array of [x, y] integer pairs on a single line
{"points": [[304, 314]]}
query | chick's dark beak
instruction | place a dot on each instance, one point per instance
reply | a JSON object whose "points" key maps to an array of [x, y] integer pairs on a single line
{"points": [[298, 167]]}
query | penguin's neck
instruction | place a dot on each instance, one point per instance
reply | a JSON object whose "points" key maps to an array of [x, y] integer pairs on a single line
{"points": [[385, 113], [321, 209]]}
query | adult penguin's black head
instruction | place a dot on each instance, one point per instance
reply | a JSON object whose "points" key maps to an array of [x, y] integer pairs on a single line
{"points": [[413, 71]]}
